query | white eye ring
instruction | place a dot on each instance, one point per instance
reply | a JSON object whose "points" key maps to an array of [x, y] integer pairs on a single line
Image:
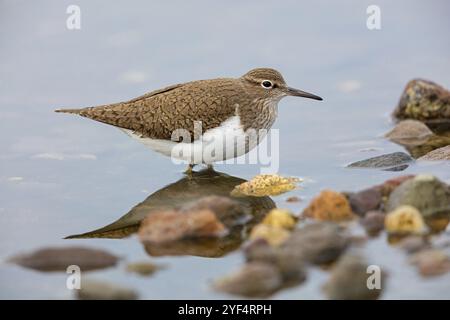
{"points": [[266, 84]]}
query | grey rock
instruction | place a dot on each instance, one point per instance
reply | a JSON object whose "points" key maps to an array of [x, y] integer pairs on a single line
{"points": [[254, 279], [290, 263], [409, 133], [348, 280], [365, 200], [431, 262], [437, 155], [373, 222], [58, 259], [425, 192], [99, 290], [317, 243], [396, 161]]}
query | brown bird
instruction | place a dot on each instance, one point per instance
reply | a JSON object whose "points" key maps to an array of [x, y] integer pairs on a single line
{"points": [[201, 121]]}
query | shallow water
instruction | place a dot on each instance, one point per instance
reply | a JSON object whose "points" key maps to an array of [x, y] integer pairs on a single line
{"points": [[63, 175]]}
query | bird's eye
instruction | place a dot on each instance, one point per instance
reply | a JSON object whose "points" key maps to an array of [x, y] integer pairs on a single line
{"points": [[267, 84]]}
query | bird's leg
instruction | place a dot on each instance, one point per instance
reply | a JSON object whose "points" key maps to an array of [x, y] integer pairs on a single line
{"points": [[188, 171], [210, 167]]}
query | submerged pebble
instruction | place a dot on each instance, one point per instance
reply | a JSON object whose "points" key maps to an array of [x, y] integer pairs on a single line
{"points": [[254, 279], [317, 243], [293, 199], [290, 263], [329, 205], [349, 280], [412, 244], [58, 259], [99, 290], [143, 268], [431, 262]]}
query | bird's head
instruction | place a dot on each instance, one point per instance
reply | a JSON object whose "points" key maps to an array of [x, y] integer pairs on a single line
{"points": [[269, 83]]}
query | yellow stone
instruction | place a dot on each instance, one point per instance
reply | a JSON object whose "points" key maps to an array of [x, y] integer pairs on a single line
{"points": [[329, 205], [280, 218], [266, 185], [273, 235], [404, 219]]}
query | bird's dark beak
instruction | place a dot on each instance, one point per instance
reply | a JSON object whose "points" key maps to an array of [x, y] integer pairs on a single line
{"points": [[299, 93]]}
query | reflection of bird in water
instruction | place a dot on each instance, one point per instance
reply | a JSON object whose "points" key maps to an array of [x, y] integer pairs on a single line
{"points": [[188, 189]]}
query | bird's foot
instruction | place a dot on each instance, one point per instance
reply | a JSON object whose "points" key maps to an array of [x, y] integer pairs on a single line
{"points": [[188, 171]]}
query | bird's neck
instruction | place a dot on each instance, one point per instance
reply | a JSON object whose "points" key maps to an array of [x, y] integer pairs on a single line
{"points": [[259, 114]]}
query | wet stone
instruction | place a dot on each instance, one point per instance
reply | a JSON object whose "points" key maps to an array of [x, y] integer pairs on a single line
{"points": [[440, 154], [412, 244], [58, 259], [409, 133], [99, 290], [423, 100], [437, 224], [266, 185], [396, 161], [254, 279], [290, 263], [365, 200], [373, 222], [349, 281], [273, 235], [434, 142], [317, 243], [424, 192], [431, 262], [280, 218], [329, 205], [404, 220], [293, 199], [390, 185]]}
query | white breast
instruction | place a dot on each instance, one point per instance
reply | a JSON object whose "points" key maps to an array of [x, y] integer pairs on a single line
{"points": [[224, 142]]}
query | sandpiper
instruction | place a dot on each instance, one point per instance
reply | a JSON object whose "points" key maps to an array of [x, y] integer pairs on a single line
{"points": [[201, 122]]}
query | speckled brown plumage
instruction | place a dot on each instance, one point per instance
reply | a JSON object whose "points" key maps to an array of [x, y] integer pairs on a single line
{"points": [[158, 113]]}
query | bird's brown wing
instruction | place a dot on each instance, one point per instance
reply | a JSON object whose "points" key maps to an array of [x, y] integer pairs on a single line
{"points": [[155, 92], [157, 114]]}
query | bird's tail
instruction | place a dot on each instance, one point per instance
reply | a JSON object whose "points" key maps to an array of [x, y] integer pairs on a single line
{"points": [[74, 111]]}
